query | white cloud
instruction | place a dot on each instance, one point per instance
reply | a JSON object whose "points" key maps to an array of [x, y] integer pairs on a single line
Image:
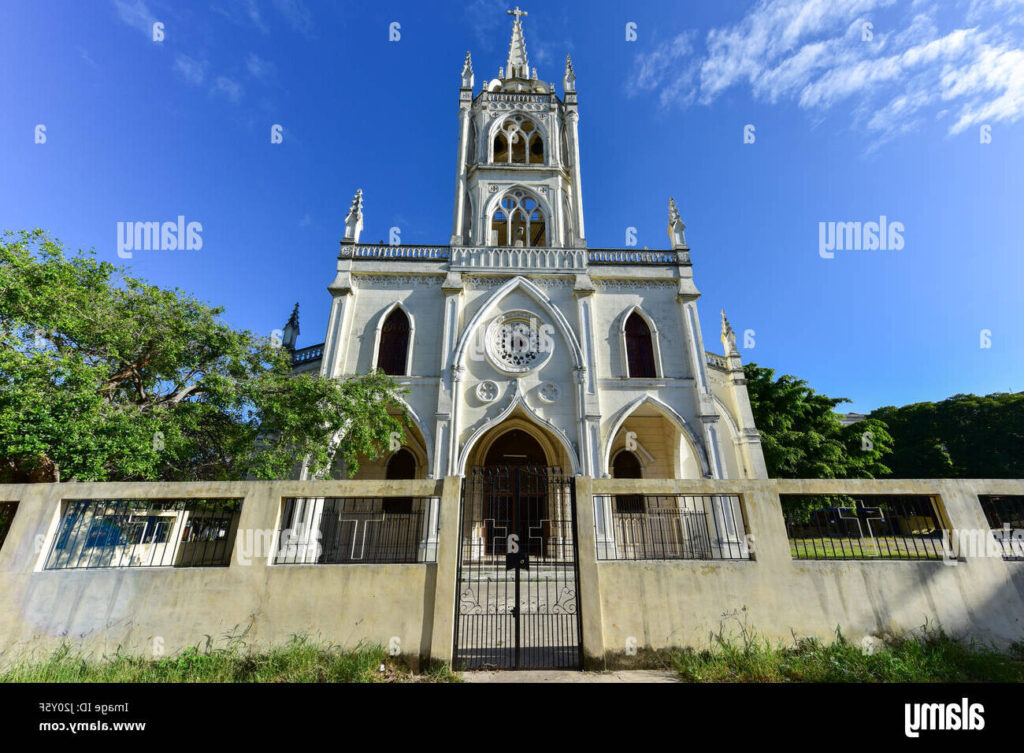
{"points": [[813, 54], [136, 14], [192, 70], [228, 87], [243, 13], [258, 67], [296, 14]]}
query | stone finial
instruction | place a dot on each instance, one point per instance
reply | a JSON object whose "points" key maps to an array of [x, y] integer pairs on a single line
{"points": [[517, 65], [291, 329], [354, 220], [728, 337], [676, 228], [569, 80], [467, 72]]}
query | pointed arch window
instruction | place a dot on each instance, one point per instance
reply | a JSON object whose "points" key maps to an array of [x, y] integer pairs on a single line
{"points": [[639, 348], [401, 465], [518, 221], [518, 142], [627, 465], [393, 351]]}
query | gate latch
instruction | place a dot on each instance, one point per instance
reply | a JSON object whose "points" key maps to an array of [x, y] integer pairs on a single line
{"points": [[517, 561]]}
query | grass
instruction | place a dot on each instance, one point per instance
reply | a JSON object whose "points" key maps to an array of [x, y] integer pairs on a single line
{"points": [[824, 548], [933, 657], [300, 660]]}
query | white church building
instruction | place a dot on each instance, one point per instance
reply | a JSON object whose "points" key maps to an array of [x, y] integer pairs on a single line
{"points": [[520, 344]]}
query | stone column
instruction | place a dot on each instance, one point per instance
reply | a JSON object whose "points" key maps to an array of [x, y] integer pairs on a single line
{"points": [[343, 295], [446, 398], [572, 118], [446, 588], [459, 219]]}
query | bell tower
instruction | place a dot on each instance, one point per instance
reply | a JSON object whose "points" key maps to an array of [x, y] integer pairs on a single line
{"points": [[518, 171]]}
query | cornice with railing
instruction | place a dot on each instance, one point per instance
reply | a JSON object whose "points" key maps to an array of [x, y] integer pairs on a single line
{"points": [[510, 257]]}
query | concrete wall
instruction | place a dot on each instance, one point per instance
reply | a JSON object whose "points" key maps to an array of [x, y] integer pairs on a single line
{"points": [[140, 610], [655, 604], [660, 604]]}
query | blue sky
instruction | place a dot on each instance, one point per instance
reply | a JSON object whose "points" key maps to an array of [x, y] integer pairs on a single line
{"points": [[851, 122]]}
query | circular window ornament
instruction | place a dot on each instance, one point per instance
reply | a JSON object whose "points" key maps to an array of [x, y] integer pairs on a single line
{"points": [[548, 392], [518, 342], [487, 391]]}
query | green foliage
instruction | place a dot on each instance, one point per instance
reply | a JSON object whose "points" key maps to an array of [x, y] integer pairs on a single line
{"points": [[801, 435], [300, 660], [964, 436], [106, 377]]}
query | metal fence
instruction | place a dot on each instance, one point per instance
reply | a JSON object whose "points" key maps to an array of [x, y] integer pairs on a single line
{"points": [[674, 526], [847, 527], [7, 510], [1005, 515], [145, 533], [354, 530]]}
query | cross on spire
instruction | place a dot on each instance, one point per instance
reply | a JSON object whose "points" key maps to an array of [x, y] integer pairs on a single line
{"points": [[517, 64]]}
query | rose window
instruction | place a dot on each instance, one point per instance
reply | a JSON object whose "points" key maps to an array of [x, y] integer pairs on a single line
{"points": [[518, 342]]}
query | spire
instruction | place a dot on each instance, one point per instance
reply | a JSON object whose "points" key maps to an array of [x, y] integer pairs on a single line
{"points": [[354, 220], [517, 66], [728, 337], [569, 81], [291, 329], [676, 228], [467, 72]]}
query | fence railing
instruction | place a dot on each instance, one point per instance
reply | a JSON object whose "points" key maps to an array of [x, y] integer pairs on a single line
{"points": [[692, 527], [144, 533], [843, 527], [381, 251], [1005, 515], [358, 530], [716, 361], [630, 256], [310, 353]]}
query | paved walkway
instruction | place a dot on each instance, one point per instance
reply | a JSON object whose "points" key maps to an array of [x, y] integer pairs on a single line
{"points": [[537, 675]]}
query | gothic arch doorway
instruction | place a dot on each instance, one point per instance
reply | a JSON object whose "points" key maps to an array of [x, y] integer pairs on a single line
{"points": [[515, 448], [517, 605]]}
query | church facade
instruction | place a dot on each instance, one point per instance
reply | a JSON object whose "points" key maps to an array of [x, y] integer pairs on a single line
{"points": [[519, 343]]}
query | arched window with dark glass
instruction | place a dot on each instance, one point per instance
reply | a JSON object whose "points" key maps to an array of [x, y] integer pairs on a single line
{"points": [[627, 465], [639, 347], [394, 344], [401, 466]]}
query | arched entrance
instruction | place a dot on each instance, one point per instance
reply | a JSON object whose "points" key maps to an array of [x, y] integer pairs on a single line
{"points": [[517, 571], [515, 448]]}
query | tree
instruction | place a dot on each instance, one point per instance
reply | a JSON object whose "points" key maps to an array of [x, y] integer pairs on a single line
{"points": [[106, 377], [964, 436], [801, 434]]}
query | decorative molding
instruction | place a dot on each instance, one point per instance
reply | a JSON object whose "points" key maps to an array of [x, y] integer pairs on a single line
{"points": [[612, 285], [487, 391], [388, 282], [548, 392], [517, 400], [517, 342], [474, 282]]}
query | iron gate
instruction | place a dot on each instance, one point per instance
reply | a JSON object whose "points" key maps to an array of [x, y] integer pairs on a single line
{"points": [[518, 604]]}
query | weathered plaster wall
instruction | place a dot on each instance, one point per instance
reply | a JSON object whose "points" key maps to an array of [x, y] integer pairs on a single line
{"points": [[657, 603]]}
